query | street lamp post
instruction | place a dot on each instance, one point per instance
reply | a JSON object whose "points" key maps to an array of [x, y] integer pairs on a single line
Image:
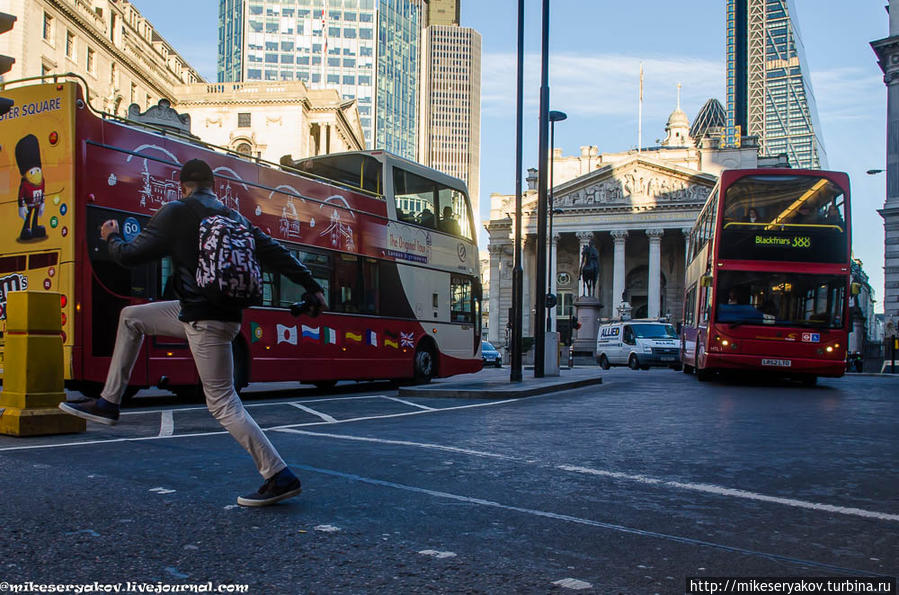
{"points": [[554, 116], [540, 305], [517, 272]]}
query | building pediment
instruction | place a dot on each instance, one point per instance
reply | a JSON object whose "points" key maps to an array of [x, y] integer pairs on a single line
{"points": [[638, 183]]}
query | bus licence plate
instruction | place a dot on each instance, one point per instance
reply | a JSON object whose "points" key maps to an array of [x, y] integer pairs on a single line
{"points": [[780, 363]]}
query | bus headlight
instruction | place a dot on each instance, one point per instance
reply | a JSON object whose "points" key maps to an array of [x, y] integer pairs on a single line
{"points": [[829, 349]]}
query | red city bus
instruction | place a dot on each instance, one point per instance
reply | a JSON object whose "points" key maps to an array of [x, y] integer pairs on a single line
{"points": [[767, 283], [402, 284]]}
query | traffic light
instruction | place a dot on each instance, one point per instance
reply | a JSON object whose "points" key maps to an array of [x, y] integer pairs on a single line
{"points": [[6, 23]]}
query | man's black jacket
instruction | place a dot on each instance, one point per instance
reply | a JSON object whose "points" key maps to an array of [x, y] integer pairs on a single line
{"points": [[174, 231]]}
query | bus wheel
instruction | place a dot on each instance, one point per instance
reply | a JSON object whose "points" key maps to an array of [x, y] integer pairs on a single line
{"points": [[604, 362], [687, 369], [325, 385], [633, 363], [425, 363], [703, 374]]}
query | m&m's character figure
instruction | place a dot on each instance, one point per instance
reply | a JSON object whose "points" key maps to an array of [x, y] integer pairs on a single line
{"points": [[31, 189]]}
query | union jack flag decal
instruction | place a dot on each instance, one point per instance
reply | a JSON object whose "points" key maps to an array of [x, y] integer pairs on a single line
{"points": [[407, 339]]}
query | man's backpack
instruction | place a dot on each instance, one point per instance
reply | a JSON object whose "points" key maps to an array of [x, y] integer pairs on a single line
{"points": [[228, 272]]}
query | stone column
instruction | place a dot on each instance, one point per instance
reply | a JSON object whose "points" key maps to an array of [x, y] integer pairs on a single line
{"points": [[619, 236], [887, 51], [527, 266], [655, 272], [553, 271], [494, 333], [686, 231], [583, 238]]}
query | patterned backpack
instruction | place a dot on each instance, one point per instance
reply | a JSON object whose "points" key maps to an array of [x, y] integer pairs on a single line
{"points": [[228, 272]]}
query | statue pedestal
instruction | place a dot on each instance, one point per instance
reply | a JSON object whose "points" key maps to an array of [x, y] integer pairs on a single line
{"points": [[587, 312]]}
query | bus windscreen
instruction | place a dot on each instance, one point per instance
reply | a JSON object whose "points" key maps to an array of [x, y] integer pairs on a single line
{"points": [[782, 299], [784, 218]]}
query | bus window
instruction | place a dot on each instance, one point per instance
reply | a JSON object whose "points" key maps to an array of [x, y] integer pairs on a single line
{"points": [[416, 198], [353, 170], [690, 307], [355, 287], [461, 300], [452, 207]]}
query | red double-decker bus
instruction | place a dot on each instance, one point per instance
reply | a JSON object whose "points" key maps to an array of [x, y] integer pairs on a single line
{"points": [[767, 283], [391, 242]]}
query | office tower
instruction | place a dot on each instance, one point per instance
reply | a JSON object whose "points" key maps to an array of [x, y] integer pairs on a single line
{"points": [[325, 43], [769, 94], [444, 12], [451, 119], [400, 24]]}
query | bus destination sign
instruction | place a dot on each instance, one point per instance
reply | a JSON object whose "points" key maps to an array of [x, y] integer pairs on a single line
{"points": [[802, 242]]}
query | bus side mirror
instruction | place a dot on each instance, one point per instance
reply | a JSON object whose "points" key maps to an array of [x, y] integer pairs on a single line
{"points": [[706, 281], [856, 288]]}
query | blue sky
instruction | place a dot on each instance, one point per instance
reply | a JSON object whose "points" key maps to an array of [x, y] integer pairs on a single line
{"points": [[596, 47]]}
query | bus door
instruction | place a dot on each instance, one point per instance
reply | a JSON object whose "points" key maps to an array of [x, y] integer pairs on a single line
{"points": [[112, 288]]}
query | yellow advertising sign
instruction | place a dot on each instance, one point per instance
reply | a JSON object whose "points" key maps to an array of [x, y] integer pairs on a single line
{"points": [[37, 196]]}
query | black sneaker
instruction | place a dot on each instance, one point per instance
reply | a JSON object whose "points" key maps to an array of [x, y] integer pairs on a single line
{"points": [[280, 486], [98, 410]]}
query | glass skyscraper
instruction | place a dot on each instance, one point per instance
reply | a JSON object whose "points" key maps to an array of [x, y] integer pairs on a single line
{"points": [[399, 71], [366, 49], [769, 94]]}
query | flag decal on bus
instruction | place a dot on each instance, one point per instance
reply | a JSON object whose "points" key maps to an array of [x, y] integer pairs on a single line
{"points": [[407, 340], [287, 334], [255, 332], [371, 338], [329, 335], [390, 343], [353, 337], [311, 332]]}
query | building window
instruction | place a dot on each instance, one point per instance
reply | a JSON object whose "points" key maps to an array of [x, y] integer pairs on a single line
{"points": [[243, 121], [245, 148], [70, 45], [48, 27], [113, 74], [45, 70], [91, 60]]}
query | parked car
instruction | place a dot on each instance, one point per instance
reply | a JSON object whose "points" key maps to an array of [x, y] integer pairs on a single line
{"points": [[638, 344], [490, 354]]}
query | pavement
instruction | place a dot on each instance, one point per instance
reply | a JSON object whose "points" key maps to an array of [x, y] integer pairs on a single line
{"points": [[498, 386]]}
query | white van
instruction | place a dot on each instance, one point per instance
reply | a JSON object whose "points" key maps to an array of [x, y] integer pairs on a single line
{"points": [[637, 344]]}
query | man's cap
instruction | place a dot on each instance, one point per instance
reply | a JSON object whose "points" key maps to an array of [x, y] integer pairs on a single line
{"points": [[196, 170]]}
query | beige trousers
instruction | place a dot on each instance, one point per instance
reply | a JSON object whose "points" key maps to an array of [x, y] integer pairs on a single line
{"points": [[210, 345]]}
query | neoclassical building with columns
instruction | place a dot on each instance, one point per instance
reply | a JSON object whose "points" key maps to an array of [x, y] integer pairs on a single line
{"points": [[636, 207]]}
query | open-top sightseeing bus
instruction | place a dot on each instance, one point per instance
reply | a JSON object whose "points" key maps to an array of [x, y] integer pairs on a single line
{"points": [[767, 283], [391, 242]]}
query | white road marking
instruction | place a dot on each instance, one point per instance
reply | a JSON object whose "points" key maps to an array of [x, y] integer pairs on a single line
{"points": [[323, 416], [438, 555], [410, 403], [582, 521], [573, 583], [696, 487], [478, 453], [222, 432], [167, 423], [162, 491], [734, 493], [326, 528], [251, 405]]}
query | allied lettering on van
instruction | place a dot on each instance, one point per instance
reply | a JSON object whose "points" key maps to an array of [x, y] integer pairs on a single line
{"points": [[611, 331]]}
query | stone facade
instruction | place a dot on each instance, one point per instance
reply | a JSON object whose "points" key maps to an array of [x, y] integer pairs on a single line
{"points": [[123, 59], [636, 207], [270, 120]]}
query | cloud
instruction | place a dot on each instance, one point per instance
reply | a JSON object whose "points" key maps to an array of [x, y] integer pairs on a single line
{"points": [[602, 85]]}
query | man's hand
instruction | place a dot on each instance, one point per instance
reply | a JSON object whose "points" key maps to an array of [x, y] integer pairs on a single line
{"points": [[319, 303], [109, 228]]}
